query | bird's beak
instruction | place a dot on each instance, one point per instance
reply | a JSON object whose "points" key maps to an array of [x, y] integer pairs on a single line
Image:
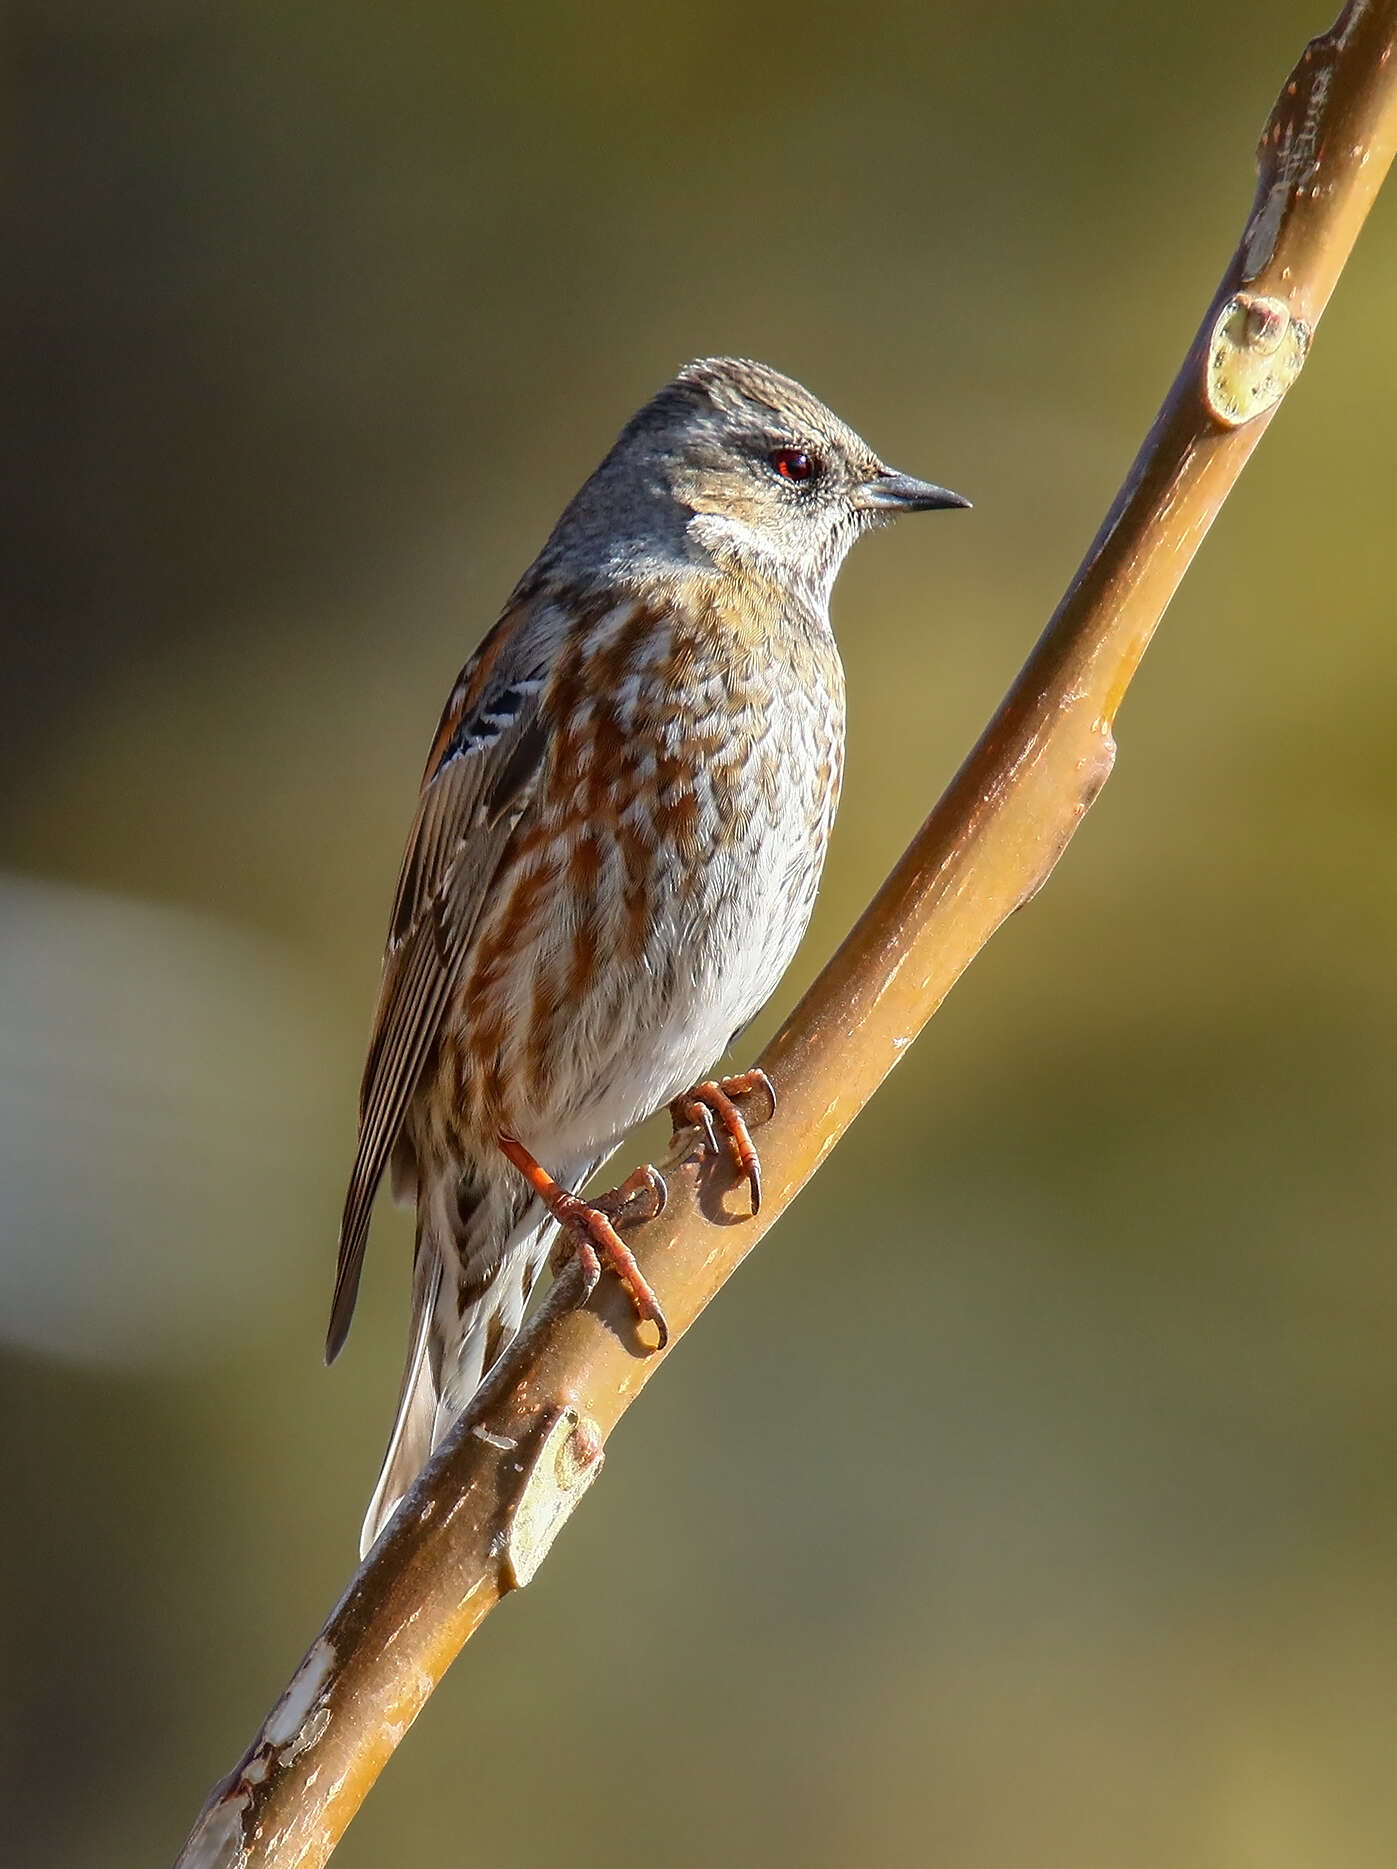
{"points": [[889, 492]]}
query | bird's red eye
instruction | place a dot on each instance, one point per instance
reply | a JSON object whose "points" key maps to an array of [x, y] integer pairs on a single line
{"points": [[793, 464]]}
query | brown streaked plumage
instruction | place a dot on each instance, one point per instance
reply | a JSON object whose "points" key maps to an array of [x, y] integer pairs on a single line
{"points": [[621, 830]]}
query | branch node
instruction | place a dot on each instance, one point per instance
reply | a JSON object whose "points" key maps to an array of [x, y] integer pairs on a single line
{"points": [[1255, 353], [569, 1458]]}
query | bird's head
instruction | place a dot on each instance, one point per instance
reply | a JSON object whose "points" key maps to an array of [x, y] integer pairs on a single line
{"points": [[769, 478], [734, 466]]}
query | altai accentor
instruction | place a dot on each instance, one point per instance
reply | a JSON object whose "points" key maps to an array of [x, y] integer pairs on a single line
{"points": [[615, 854]]}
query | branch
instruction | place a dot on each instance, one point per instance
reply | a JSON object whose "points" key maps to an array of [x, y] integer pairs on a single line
{"points": [[482, 1516]]}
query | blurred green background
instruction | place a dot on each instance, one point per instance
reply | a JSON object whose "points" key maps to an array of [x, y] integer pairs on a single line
{"points": [[1030, 1497]]}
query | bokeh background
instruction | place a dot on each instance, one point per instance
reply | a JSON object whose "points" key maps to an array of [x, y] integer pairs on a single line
{"points": [[1030, 1497]]}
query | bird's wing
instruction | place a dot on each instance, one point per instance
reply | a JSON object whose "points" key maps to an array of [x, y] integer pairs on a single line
{"points": [[480, 777]]}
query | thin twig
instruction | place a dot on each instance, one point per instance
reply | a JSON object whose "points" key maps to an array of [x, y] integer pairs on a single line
{"points": [[483, 1514]]}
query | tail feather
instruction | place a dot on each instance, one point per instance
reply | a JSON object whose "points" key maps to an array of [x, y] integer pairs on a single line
{"points": [[413, 1437], [490, 1325], [454, 1345]]}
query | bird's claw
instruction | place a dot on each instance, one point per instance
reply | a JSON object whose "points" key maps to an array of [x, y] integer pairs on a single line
{"points": [[640, 1197], [717, 1097]]}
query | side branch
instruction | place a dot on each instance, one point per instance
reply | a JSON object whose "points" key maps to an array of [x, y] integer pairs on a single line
{"points": [[483, 1514]]}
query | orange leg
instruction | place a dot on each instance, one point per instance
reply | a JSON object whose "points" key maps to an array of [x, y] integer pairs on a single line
{"points": [[714, 1097], [590, 1226]]}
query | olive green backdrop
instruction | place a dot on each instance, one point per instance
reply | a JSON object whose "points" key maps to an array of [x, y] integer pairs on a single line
{"points": [[1029, 1499]]}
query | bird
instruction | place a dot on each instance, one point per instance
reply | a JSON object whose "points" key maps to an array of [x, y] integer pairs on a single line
{"points": [[616, 849]]}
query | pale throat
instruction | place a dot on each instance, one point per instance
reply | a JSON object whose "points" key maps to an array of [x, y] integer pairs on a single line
{"points": [[751, 554]]}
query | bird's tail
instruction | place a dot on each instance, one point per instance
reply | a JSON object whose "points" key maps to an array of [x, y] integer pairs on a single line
{"points": [[454, 1343]]}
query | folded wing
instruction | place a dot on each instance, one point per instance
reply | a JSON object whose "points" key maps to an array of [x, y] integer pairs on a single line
{"points": [[480, 779]]}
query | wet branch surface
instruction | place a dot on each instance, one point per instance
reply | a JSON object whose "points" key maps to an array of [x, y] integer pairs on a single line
{"points": [[483, 1514]]}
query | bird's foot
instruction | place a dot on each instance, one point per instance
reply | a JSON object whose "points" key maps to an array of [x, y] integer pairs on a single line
{"points": [[717, 1097], [589, 1227]]}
